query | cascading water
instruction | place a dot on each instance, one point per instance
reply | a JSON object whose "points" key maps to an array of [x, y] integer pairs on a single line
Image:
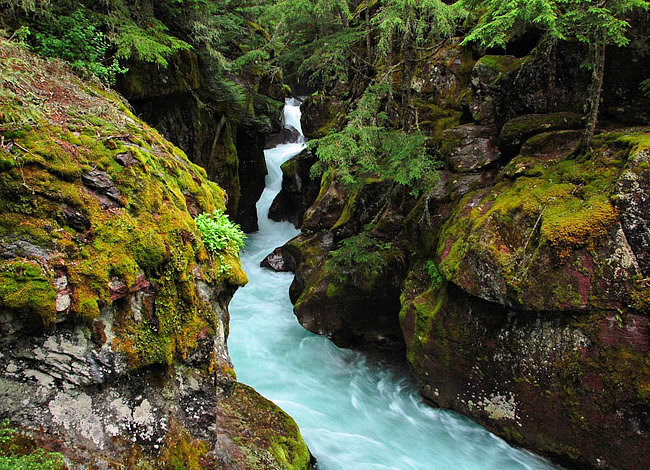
{"points": [[354, 414]]}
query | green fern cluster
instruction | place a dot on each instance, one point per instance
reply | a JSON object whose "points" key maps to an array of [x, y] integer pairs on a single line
{"points": [[78, 40], [219, 233], [367, 146], [360, 254]]}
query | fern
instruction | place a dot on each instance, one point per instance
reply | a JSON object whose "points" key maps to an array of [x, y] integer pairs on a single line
{"points": [[360, 254]]}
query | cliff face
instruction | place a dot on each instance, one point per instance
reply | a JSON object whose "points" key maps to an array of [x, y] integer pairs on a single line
{"points": [[113, 316], [222, 130], [521, 279], [176, 102]]}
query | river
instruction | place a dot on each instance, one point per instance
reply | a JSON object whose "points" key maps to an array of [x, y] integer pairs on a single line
{"points": [[354, 413]]}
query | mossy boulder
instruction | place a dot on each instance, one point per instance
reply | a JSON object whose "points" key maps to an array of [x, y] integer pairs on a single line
{"points": [[572, 388], [348, 271], [537, 325], [556, 222], [492, 76], [299, 189], [470, 147], [113, 315], [321, 114], [518, 130]]}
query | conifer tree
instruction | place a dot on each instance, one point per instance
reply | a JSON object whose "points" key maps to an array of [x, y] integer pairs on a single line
{"points": [[596, 23], [411, 24]]}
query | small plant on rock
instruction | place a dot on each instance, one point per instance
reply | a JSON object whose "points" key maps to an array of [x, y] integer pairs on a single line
{"points": [[220, 236], [19, 452]]}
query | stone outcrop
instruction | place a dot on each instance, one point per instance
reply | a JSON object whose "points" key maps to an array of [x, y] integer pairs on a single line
{"points": [[299, 189], [113, 316], [522, 274], [178, 101]]}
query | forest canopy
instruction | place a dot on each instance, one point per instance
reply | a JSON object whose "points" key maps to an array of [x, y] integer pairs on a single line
{"points": [[372, 48]]}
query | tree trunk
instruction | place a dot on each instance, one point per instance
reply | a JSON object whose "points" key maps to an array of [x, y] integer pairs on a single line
{"points": [[368, 32], [593, 100], [407, 76]]}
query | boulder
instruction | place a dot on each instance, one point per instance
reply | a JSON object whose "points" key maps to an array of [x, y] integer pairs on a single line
{"points": [[113, 317], [571, 388], [470, 147], [518, 130], [299, 189], [287, 134]]}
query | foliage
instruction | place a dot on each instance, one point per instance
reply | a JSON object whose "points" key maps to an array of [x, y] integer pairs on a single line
{"points": [[18, 108], [15, 455], [434, 274], [595, 23], [415, 22], [219, 233], [359, 253], [313, 38], [78, 40], [367, 146], [327, 59], [588, 21]]}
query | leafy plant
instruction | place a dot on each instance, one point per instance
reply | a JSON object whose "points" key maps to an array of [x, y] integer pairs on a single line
{"points": [[78, 40], [434, 274], [595, 23], [360, 254], [219, 233], [367, 146]]}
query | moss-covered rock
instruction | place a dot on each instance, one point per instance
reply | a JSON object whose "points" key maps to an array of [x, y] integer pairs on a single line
{"points": [[321, 114], [113, 316], [470, 147], [555, 222], [572, 388], [518, 130]]}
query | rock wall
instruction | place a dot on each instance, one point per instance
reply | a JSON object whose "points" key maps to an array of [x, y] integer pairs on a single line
{"points": [[113, 316], [174, 100], [522, 275]]}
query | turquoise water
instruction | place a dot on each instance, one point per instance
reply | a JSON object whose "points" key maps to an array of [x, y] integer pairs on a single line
{"points": [[354, 414]]}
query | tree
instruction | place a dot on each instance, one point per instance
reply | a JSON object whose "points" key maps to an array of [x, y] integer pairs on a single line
{"points": [[596, 23], [367, 146], [411, 24], [312, 37]]}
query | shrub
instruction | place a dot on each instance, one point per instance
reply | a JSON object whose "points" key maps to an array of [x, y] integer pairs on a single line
{"points": [[360, 254], [78, 40], [434, 274]]}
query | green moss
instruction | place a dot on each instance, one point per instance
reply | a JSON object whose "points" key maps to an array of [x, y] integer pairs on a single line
{"points": [[572, 197], [525, 126], [146, 240], [19, 451], [88, 308], [427, 328], [27, 288], [575, 223], [266, 428], [502, 64], [182, 452]]}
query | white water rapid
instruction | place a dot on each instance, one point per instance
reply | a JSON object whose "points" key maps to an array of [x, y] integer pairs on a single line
{"points": [[353, 413]]}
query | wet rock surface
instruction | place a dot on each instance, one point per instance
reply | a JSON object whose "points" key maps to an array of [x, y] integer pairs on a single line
{"points": [[521, 274], [113, 316], [470, 147], [299, 189]]}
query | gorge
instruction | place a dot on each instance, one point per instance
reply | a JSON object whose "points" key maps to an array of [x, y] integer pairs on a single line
{"points": [[354, 411], [450, 270]]}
